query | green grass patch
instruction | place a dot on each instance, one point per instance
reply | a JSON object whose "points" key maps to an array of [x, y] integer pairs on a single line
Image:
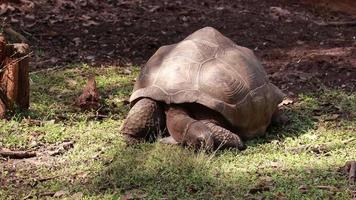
{"points": [[296, 161]]}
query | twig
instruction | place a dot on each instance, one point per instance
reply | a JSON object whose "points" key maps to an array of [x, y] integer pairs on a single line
{"points": [[311, 147], [327, 187], [98, 116], [27, 196], [46, 194], [348, 141], [53, 69], [35, 182], [352, 173], [15, 34], [47, 178], [15, 61], [17, 154], [347, 23]]}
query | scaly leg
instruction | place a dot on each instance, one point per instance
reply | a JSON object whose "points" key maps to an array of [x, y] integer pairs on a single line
{"points": [[223, 138], [186, 130], [144, 121]]}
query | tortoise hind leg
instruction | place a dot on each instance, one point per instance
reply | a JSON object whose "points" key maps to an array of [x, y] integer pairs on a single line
{"points": [[144, 121]]}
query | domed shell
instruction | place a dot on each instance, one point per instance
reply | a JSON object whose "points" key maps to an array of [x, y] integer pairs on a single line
{"points": [[210, 69]]}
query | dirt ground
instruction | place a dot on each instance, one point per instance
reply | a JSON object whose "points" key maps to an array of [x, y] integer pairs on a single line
{"points": [[297, 42]]}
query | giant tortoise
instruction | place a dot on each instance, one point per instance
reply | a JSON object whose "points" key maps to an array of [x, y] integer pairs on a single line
{"points": [[206, 91]]}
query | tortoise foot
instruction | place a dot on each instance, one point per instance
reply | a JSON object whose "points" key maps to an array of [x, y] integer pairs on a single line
{"points": [[144, 121], [168, 140], [223, 138]]}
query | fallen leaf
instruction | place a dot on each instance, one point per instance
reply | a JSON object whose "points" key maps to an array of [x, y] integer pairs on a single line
{"points": [[280, 11], [280, 196], [77, 41], [127, 71], [350, 170], [77, 196], [286, 101], [332, 117], [90, 23], [153, 9], [89, 99], [134, 194], [304, 188], [264, 184], [60, 193], [32, 122], [30, 17], [328, 188]]}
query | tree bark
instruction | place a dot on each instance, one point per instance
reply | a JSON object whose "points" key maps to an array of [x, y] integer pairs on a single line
{"points": [[9, 81], [3, 98], [23, 94], [14, 76], [2, 108]]}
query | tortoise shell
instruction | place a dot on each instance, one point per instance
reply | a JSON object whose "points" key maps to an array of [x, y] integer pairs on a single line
{"points": [[210, 69]]}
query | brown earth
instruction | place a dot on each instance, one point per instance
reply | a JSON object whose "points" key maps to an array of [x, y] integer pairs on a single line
{"points": [[347, 6], [298, 47]]}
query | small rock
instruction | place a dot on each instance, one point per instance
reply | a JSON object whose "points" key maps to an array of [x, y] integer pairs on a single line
{"points": [[127, 71], [299, 42]]}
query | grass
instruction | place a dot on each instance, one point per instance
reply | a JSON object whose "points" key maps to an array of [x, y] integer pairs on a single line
{"points": [[295, 161]]}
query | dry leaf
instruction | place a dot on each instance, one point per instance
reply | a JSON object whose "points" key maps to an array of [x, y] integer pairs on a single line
{"points": [[89, 99], [77, 196], [304, 188], [328, 188], [60, 193], [90, 23], [286, 101], [134, 194], [264, 184]]}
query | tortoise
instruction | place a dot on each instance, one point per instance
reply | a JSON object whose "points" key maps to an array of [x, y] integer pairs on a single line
{"points": [[206, 90]]}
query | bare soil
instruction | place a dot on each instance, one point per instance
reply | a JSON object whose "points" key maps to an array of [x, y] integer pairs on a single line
{"points": [[300, 51]]}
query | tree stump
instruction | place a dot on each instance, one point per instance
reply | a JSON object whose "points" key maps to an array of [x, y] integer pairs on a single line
{"points": [[14, 76]]}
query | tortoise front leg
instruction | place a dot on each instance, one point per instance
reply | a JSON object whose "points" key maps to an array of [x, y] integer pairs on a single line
{"points": [[223, 138], [198, 133], [144, 121], [186, 130]]}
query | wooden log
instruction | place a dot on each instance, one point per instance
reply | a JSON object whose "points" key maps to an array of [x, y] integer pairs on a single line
{"points": [[3, 98], [9, 81], [14, 76], [23, 95], [2, 108], [2, 50]]}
